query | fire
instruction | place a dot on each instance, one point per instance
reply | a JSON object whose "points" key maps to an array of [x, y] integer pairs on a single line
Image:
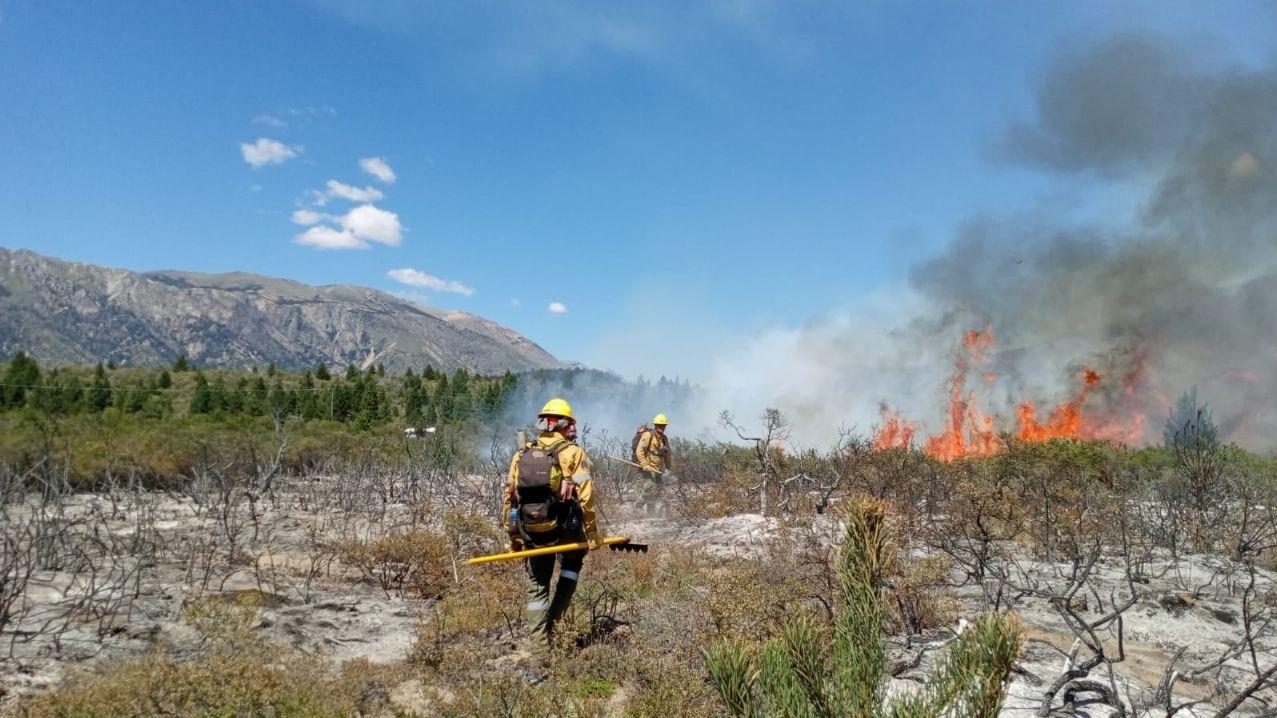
{"points": [[895, 432], [1064, 421], [1099, 410], [1122, 422], [968, 431], [978, 343]]}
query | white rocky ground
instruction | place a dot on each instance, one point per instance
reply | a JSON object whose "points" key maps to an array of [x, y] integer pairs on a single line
{"points": [[1181, 609], [1192, 608]]}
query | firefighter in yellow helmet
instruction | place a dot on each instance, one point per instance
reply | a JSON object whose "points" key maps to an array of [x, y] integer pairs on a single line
{"points": [[652, 453], [550, 499]]}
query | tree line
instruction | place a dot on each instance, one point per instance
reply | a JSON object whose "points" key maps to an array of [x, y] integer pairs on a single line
{"points": [[359, 398]]}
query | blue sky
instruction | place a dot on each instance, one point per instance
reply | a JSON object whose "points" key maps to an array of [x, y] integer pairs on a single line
{"points": [[727, 167]]}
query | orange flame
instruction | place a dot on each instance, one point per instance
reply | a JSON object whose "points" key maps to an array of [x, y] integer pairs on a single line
{"points": [[978, 343], [1064, 421], [968, 432], [1123, 420], [895, 432], [1093, 413]]}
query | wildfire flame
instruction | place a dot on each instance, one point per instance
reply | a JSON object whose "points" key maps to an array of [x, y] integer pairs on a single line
{"points": [[968, 431], [895, 432]]}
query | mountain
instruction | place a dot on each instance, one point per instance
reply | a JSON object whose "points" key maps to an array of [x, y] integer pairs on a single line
{"points": [[66, 312]]}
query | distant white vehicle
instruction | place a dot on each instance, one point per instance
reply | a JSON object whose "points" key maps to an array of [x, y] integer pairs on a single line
{"points": [[413, 431]]}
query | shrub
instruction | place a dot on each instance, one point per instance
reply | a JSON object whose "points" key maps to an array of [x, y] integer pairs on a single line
{"points": [[420, 562], [806, 671]]}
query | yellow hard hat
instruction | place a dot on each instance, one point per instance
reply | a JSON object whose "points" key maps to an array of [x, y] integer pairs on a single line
{"points": [[557, 407], [660, 420]]}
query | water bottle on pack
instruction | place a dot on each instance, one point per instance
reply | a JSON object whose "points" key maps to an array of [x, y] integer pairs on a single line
{"points": [[512, 524]]}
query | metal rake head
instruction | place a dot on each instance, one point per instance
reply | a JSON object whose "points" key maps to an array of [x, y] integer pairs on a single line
{"points": [[630, 547]]}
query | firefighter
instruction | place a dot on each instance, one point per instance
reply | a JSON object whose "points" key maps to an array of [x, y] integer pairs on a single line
{"points": [[652, 453], [550, 499]]}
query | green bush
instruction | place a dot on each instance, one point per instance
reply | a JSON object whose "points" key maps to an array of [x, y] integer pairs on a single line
{"points": [[811, 671]]}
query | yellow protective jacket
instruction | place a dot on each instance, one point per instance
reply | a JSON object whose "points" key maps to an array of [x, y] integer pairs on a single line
{"points": [[575, 465], [653, 452]]}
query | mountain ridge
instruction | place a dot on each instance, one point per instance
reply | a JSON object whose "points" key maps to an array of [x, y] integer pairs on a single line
{"points": [[71, 312]]}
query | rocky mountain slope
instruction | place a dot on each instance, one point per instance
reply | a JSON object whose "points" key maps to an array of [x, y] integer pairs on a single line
{"points": [[65, 312]]}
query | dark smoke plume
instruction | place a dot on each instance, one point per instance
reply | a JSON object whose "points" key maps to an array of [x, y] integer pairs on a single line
{"points": [[1182, 293], [1190, 286]]}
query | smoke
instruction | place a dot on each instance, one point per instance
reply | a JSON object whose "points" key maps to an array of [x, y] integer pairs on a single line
{"points": [[606, 406], [1181, 294]]}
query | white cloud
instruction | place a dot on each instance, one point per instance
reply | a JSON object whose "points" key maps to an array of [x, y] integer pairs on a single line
{"points": [[377, 167], [266, 151], [312, 111], [355, 229], [354, 194], [270, 120], [307, 217], [557, 308], [417, 278], [373, 224], [325, 237], [254, 188], [516, 303]]}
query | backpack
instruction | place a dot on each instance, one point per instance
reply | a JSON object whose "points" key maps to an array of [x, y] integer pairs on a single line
{"points": [[638, 436], [538, 504]]}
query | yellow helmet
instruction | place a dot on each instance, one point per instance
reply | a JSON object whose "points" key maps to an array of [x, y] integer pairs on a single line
{"points": [[660, 420], [557, 407]]}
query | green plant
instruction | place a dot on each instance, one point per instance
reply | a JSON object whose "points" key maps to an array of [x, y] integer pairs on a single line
{"points": [[809, 671]]}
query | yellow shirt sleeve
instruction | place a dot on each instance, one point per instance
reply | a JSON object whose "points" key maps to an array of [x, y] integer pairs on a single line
{"points": [[576, 465], [509, 487]]}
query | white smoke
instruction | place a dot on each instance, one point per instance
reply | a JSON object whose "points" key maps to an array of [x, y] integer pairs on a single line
{"points": [[1186, 289]]}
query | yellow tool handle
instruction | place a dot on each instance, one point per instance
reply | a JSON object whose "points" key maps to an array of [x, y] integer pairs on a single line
{"points": [[545, 550], [626, 461]]}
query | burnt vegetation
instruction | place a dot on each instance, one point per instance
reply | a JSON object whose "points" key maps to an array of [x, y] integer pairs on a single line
{"points": [[229, 543]]}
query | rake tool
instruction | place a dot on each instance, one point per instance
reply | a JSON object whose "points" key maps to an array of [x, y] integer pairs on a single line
{"points": [[615, 543], [625, 461], [664, 476]]}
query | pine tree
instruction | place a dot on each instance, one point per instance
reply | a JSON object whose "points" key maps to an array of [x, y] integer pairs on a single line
{"points": [[47, 396], [72, 390], [491, 399], [233, 401], [460, 382], [218, 391], [22, 375], [257, 402], [321, 372], [270, 369], [202, 399], [281, 401], [809, 670], [180, 364], [165, 381], [413, 398], [99, 396], [1191, 425]]}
